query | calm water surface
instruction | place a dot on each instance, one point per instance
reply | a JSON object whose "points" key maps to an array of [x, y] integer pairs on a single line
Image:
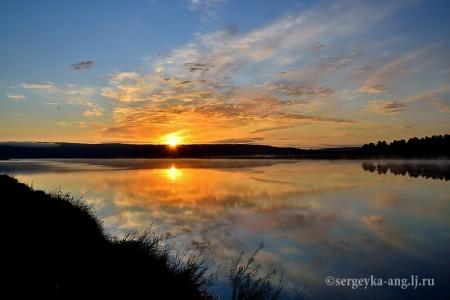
{"points": [[316, 218]]}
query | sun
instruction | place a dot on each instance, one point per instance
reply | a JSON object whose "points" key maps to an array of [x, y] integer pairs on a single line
{"points": [[172, 140]]}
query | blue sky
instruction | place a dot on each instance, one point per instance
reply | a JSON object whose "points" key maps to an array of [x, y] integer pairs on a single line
{"points": [[301, 73], [39, 39]]}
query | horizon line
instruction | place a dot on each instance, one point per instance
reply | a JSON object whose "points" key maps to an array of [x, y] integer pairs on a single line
{"points": [[309, 147]]}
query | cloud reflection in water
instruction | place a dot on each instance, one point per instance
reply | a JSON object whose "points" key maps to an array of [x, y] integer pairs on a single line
{"points": [[316, 218]]}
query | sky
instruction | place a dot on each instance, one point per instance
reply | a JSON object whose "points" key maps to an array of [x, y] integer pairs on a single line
{"points": [[286, 73]]}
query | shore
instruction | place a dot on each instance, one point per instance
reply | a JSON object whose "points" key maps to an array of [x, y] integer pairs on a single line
{"points": [[56, 247]]}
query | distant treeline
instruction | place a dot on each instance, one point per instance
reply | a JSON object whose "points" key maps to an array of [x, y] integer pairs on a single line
{"points": [[73, 150], [434, 146], [431, 147]]}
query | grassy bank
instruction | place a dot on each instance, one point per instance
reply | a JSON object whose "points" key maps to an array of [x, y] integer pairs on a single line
{"points": [[56, 248]]}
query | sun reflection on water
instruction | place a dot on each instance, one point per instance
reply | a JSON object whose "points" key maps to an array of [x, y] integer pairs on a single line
{"points": [[173, 173]]}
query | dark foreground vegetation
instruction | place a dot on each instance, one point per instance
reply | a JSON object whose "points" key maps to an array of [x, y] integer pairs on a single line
{"points": [[427, 147], [54, 247]]}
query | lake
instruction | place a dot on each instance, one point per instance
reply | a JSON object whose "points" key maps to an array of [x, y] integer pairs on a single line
{"points": [[316, 218]]}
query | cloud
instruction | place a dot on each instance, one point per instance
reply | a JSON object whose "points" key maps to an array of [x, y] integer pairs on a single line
{"points": [[272, 128], [240, 107], [388, 74], [373, 219], [238, 141], [318, 47], [299, 90], [193, 67], [404, 66], [287, 41], [440, 94], [202, 4], [94, 110], [70, 94], [318, 69], [372, 89], [16, 96], [386, 107], [65, 124], [158, 88], [37, 85], [82, 65], [122, 76], [209, 9], [362, 69], [204, 114], [315, 119], [442, 106]]}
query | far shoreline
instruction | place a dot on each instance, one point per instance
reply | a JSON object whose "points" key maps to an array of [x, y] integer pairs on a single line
{"points": [[434, 147], [300, 157]]}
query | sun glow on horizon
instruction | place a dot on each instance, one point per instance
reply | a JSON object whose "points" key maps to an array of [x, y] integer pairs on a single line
{"points": [[172, 140]]}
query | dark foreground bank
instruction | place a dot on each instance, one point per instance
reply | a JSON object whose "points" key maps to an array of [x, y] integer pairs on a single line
{"points": [[56, 248]]}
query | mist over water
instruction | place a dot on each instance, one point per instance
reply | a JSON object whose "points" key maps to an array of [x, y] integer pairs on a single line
{"points": [[316, 218]]}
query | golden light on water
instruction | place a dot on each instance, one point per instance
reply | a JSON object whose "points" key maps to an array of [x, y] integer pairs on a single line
{"points": [[173, 173]]}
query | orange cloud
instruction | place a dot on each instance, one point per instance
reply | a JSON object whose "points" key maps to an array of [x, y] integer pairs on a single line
{"points": [[386, 107]]}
